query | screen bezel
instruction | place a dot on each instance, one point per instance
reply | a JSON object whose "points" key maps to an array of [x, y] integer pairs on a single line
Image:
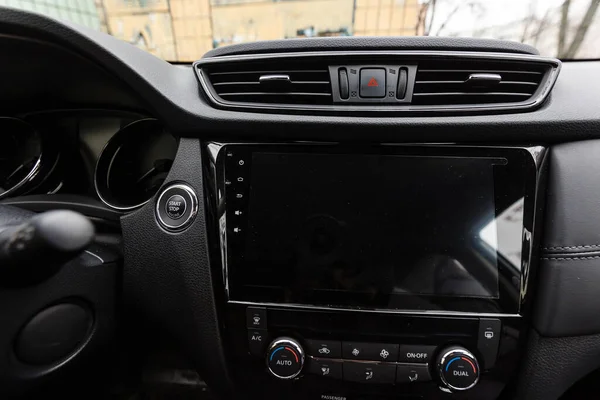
{"points": [[522, 160]]}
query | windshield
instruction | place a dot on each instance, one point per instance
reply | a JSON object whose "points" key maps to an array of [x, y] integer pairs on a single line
{"points": [[183, 30]]}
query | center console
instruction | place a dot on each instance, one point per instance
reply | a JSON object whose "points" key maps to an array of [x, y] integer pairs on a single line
{"points": [[373, 272]]}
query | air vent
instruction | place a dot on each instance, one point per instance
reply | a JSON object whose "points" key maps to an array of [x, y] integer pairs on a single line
{"points": [[471, 82], [294, 83], [314, 83]]}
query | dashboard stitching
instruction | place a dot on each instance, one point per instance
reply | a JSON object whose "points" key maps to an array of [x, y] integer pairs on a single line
{"points": [[591, 246], [570, 258]]}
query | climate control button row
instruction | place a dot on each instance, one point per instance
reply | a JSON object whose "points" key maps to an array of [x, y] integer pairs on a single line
{"points": [[383, 352], [369, 372]]}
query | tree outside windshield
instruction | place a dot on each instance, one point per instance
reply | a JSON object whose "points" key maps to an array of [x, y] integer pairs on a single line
{"points": [[183, 30]]}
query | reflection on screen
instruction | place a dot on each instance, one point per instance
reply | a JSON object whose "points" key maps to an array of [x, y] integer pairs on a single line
{"points": [[508, 225], [341, 227]]}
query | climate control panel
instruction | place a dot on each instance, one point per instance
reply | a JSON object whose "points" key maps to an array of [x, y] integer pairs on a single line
{"points": [[421, 354], [457, 369]]}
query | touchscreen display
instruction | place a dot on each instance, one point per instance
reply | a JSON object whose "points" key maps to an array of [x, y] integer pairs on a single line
{"points": [[373, 230]]}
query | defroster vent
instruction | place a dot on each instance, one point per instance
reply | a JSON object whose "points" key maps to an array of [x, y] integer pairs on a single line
{"points": [[471, 82], [297, 83]]}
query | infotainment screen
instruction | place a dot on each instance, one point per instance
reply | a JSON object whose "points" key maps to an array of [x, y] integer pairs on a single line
{"points": [[425, 231]]}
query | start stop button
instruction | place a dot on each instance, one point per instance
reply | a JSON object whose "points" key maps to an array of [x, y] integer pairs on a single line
{"points": [[176, 207]]}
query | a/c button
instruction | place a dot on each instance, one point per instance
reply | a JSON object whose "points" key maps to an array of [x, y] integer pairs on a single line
{"points": [[175, 206]]}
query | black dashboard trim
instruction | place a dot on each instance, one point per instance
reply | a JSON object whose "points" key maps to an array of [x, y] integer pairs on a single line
{"points": [[167, 277], [356, 43], [173, 95], [45, 202]]}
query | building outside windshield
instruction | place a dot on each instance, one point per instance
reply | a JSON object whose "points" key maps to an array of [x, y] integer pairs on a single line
{"points": [[183, 30]]}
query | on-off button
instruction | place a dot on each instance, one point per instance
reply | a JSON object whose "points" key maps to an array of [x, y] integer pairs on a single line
{"points": [[175, 207], [410, 353]]}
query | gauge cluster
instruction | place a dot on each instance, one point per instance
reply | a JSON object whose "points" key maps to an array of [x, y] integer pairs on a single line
{"points": [[134, 164], [119, 159], [20, 156]]}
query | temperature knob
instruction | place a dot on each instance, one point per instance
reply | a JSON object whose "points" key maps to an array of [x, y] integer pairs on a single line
{"points": [[285, 358], [458, 368]]}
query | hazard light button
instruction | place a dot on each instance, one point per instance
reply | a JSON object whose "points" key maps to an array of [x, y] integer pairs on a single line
{"points": [[372, 82]]}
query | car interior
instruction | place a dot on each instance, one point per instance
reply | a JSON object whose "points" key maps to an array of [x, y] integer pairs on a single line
{"points": [[337, 218]]}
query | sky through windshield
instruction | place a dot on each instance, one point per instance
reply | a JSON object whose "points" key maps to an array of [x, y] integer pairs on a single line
{"points": [[183, 30]]}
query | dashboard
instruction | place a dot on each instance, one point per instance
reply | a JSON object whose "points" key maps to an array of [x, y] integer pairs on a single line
{"points": [[337, 218]]}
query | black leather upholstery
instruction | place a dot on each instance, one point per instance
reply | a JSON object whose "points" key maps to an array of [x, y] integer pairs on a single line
{"points": [[552, 365], [569, 276], [566, 346]]}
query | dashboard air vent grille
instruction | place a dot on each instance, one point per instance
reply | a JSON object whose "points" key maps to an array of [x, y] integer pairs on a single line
{"points": [[272, 83], [469, 82]]}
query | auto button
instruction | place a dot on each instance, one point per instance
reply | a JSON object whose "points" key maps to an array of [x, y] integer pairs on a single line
{"points": [[285, 358]]}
